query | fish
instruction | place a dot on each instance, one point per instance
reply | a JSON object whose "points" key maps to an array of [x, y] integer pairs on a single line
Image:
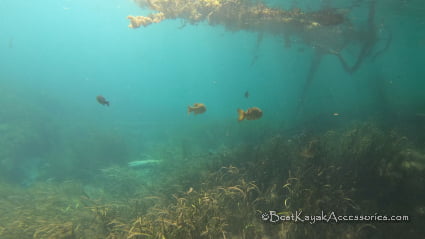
{"points": [[197, 108], [102, 100], [144, 163], [253, 113], [246, 94]]}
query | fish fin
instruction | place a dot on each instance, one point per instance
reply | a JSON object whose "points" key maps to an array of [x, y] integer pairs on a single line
{"points": [[241, 115], [189, 109], [107, 103]]}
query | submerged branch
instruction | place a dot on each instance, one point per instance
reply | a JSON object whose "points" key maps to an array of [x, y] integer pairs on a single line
{"points": [[328, 30]]}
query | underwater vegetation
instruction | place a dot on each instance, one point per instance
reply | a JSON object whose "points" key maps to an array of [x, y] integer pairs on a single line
{"points": [[359, 169]]}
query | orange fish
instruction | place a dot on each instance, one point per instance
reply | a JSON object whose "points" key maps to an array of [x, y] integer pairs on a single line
{"points": [[102, 100], [253, 113], [197, 108]]}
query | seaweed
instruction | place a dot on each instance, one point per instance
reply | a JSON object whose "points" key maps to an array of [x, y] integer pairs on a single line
{"points": [[355, 170]]}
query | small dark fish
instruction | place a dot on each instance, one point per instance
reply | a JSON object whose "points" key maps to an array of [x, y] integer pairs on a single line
{"points": [[102, 100], [253, 113], [246, 94], [197, 108]]}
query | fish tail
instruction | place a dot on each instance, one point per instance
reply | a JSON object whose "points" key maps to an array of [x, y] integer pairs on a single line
{"points": [[189, 109], [241, 115], [107, 103]]}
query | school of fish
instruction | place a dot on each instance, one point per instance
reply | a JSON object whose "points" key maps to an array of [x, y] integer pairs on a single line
{"points": [[253, 113]]}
